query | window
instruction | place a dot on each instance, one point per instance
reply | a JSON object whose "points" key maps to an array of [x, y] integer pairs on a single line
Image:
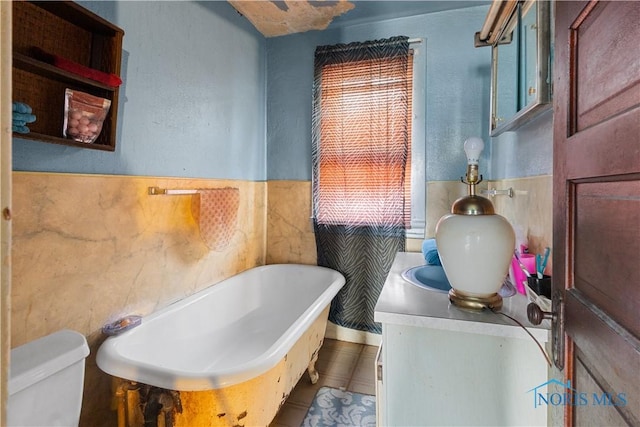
{"points": [[363, 166]]}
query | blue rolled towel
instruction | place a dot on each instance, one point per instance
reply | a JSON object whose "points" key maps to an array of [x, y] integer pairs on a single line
{"points": [[430, 252], [21, 107], [23, 117], [20, 129]]}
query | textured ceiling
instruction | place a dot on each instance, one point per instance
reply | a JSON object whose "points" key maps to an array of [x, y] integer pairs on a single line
{"points": [[277, 18]]}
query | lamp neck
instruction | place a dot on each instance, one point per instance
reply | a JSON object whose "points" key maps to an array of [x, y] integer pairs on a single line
{"points": [[473, 178], [472, 204]]}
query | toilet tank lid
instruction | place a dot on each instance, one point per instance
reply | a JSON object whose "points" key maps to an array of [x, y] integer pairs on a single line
{"points": [[38, 359]]}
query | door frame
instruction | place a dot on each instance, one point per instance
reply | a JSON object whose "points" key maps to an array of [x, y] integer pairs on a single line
{"points": [[5, 200]]}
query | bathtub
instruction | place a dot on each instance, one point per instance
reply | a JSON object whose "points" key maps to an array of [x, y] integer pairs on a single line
{"points": [[232, 352]]}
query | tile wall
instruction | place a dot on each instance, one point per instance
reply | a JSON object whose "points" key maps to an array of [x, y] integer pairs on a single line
{"points": [[290, 237], [530, 209]]}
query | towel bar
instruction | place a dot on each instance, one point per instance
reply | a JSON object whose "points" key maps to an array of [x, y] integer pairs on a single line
{"points": [[157, 191], [494, 192]]}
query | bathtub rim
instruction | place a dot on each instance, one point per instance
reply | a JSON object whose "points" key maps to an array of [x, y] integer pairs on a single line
{"points": [[111, 361]]}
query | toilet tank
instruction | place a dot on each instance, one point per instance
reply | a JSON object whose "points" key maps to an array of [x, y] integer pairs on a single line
{"points": [[46, 379]]}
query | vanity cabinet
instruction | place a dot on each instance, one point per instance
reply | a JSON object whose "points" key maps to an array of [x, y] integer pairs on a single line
{"points": [[441, 365], [72, 32]]}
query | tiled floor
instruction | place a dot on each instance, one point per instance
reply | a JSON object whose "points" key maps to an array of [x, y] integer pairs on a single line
{"points": [[340, 364]]}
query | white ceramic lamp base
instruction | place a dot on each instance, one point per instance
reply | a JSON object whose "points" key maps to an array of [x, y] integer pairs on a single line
{"points": [[475, 251]]}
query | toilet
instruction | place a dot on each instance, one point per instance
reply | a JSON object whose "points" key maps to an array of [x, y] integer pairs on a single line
{"points": [[46, 379]]}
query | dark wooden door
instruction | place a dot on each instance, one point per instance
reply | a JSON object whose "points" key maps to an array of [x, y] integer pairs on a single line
{"points": [[597, 206]]}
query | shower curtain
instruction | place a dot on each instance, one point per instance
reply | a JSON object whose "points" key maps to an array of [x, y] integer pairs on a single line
{"points": [[361, 163]]}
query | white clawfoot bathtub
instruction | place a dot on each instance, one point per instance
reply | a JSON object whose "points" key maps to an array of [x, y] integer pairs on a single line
{"points": [[229, 347]]}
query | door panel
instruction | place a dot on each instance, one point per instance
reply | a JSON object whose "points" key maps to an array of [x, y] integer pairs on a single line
{"points": [[604, 347], [597, 204], [606, 415], [607, 226], [605, 87], [599, 151]]}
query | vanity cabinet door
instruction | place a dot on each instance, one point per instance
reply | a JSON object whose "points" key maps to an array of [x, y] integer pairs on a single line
{"points": [[434, 377]]}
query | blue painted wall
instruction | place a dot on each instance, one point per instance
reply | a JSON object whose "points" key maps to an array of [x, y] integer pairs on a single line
{"points": [[199, 100], [457, 90], [193, 99], [527, 151]]}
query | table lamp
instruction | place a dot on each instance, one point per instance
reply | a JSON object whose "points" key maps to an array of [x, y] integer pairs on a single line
{"points": [[474, 243]]}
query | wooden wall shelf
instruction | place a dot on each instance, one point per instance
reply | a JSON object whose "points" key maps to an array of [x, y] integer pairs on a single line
{"points": [[70, 31]]}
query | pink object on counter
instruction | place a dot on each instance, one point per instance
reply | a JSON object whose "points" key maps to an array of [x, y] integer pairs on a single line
{"points": [[519, 277], [529, 261]]}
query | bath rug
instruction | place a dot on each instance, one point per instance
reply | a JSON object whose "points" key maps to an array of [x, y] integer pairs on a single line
{"points": [[332, 407]]}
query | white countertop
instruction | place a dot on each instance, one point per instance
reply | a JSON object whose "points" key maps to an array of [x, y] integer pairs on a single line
{"points": [[403, 303]]}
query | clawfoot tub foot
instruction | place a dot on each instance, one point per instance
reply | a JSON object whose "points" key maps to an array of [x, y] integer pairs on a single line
{"points": [[313, 374]]}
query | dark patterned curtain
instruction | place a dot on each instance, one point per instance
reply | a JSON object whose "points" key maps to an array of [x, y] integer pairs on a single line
{"points": [[361, 165]]}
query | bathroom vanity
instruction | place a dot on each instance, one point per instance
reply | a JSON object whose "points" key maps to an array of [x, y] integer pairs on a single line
{"points": [[441, 365]]}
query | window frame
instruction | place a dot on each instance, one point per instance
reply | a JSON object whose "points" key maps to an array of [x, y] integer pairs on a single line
{"points": [[418, 143]]}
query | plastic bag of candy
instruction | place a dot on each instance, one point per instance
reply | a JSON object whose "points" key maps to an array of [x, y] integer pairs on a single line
{"points": [[84, 115]]}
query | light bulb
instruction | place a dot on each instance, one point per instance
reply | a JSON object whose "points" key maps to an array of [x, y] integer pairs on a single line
{"points": [[473, 147]]}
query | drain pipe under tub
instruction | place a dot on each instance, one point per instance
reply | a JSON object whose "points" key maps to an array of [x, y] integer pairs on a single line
{"points": [[120, 398]]}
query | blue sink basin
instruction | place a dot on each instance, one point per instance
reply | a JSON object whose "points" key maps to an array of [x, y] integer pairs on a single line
{"points": [[430, 277], [433, 278]]}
